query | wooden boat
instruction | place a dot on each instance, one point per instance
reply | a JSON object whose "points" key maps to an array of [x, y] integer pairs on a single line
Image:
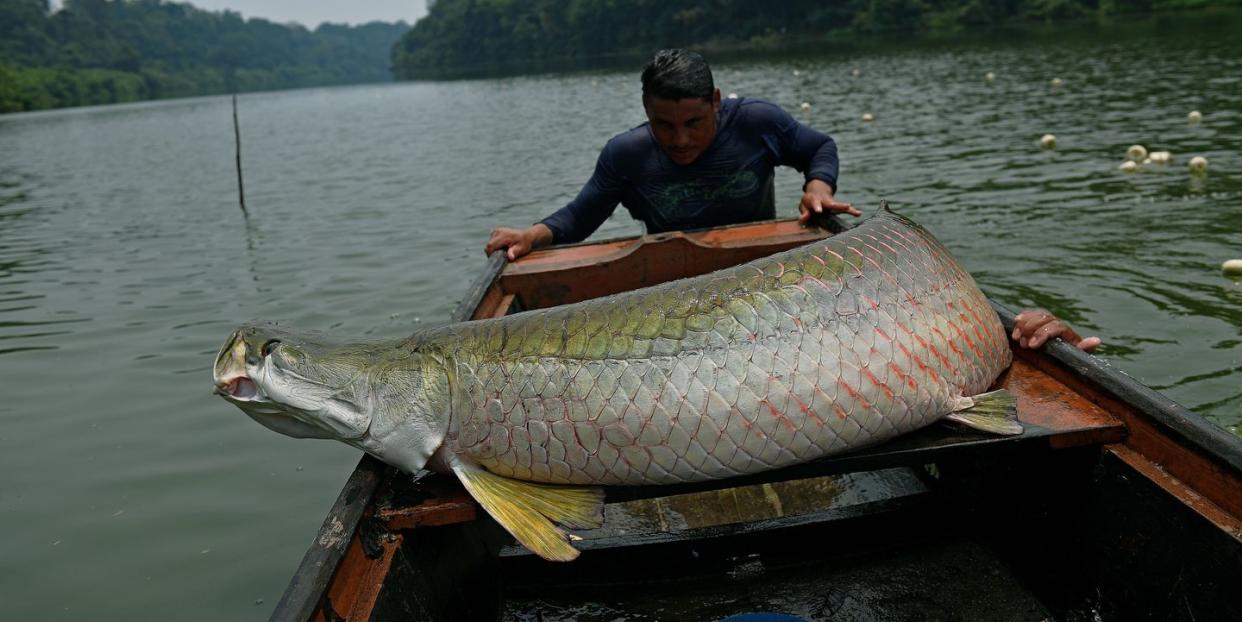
{"points": [[1116, 503]]}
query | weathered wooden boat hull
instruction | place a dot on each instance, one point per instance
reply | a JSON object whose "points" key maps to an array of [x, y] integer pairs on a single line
{"points": [[1115, 503]]}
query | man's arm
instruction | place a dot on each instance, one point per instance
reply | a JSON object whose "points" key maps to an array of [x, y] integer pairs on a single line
{"points": [[815, 155], [572, 223]]}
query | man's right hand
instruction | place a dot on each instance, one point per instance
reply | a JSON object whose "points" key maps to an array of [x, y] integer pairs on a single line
{"points": [[817, 199], [518, 241]]}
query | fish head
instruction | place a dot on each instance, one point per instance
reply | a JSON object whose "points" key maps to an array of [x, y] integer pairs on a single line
{"points": [[387, 399], [290, 378]]}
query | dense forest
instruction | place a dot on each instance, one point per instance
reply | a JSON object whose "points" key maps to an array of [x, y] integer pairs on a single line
{"points": [[461, 37], [105, 51]]}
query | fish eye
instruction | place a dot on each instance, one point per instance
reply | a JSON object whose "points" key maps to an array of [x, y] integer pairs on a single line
{"points": [[268, 347]]}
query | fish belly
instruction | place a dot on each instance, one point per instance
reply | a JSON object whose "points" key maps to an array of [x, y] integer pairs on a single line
{"points": [[826, 348]]}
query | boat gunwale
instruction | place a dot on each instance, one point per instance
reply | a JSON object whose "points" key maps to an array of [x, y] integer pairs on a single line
{"points": [[1173, 418]]}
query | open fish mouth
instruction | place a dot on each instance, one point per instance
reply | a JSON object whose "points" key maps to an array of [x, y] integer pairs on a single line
{"points": [[239, 388], [234, 374]]}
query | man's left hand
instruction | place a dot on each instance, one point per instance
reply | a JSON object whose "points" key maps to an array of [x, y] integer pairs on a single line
{"points": [[1033, 327], [817, 199]]}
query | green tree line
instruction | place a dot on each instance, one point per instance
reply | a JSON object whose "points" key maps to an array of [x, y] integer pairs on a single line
{"points": [[107, 51], [461, 37]]}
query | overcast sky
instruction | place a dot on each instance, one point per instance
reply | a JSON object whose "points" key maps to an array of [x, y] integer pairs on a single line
{"points": [[311, 13]]}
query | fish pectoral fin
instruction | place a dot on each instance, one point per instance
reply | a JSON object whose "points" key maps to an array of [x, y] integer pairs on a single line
{"points": [[527, 510], [995, 412]]}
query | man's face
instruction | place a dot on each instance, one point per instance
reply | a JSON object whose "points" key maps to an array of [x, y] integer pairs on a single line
{"points": [[683, 128]]}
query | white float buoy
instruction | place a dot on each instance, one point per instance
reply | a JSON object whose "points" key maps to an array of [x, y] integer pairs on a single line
{"points": [[732, 95], [1136, 152], [1198, 165], [1047, 141], [797, 73], [1195, 116], [805, 106], [1232, 267], [1057, 82], [1160, 157], [856, 72], [867, 118], [1129, 166], [989, 76]]}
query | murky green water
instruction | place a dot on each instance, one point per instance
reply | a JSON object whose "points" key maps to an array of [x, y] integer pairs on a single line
{"points": [[128, 491]]}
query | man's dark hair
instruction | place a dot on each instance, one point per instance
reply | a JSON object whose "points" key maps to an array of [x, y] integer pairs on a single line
{"points": [[678, 74]]}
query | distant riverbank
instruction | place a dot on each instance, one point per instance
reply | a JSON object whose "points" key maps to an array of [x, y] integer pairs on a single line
{"points": [[114, 51], [460, 39]]}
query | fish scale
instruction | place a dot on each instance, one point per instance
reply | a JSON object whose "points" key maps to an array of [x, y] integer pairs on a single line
{"points": [[826, 348]]}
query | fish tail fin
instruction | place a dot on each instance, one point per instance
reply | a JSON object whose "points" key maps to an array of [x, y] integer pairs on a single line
{"points": [[527, 510], [995, 412]]}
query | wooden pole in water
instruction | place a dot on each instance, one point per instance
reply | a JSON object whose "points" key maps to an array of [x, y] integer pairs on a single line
{"points": [[241, 192]]}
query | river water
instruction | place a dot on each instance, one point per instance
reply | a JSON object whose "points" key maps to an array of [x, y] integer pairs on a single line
{"points": [[128, 491]]}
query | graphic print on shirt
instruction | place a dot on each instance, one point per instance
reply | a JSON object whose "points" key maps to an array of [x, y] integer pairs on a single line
{"points": [[681, 201]]}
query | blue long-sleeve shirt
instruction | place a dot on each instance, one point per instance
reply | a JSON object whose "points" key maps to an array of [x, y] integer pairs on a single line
{"points": [[730, 182]]}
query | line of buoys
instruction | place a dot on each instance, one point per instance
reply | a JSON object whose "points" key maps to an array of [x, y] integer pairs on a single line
{"points": [[1135, 155], [1198, 164], [1138, 154]]}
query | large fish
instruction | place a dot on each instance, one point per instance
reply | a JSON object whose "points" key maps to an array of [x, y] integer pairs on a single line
{"points": [[826, 348]]}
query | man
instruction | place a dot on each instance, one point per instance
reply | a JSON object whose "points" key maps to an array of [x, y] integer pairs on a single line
{"points": [[700, 162]]}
